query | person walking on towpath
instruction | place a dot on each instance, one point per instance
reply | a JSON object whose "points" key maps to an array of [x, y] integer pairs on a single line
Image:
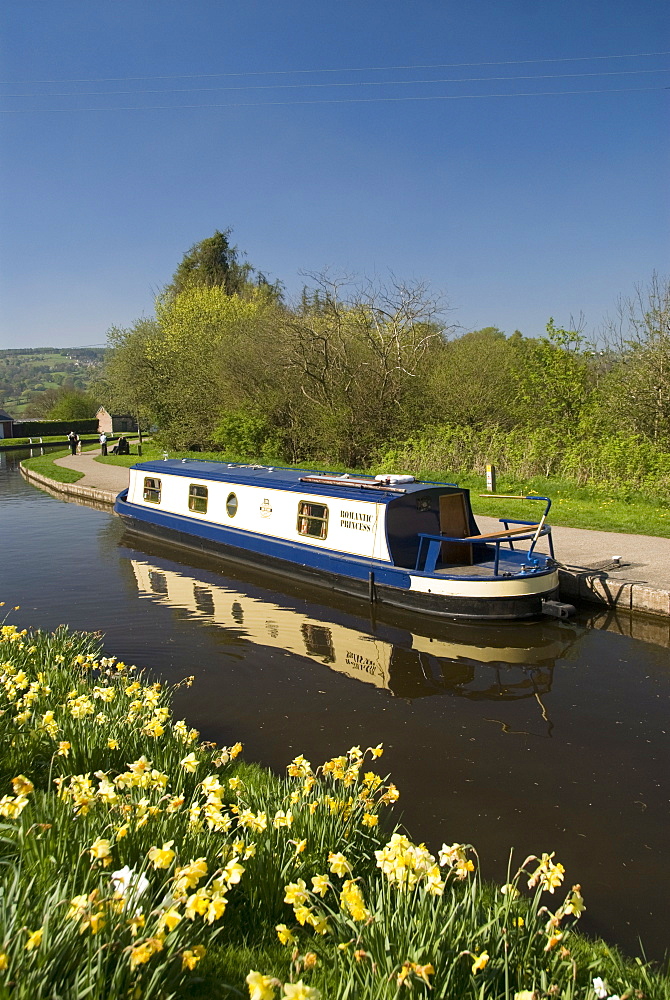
{"points": [[103, 443], [73, 440]]}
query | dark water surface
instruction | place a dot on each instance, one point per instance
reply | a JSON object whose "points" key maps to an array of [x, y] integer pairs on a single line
{"points": [[547, 736]]}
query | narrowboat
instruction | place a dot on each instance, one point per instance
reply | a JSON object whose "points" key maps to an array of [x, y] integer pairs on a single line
{"points": [[389, 539]]}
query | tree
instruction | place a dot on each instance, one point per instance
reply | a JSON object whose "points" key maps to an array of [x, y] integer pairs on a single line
{"points": [[358, 353], [67, 402], [472, 380], [552, 379], [74, 405], [214, 263], [640, 374], [128, 382]]}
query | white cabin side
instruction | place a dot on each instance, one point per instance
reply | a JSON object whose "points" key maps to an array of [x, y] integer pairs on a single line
{"points": [[353, 527]]}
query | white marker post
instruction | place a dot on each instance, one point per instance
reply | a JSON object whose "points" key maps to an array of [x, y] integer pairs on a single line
{"points": [[491, 478]]}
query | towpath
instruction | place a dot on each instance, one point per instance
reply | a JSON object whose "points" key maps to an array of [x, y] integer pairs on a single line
{"points": [[630, 571], [97, 475]]}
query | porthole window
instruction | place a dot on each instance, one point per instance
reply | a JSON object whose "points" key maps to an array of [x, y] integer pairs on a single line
{"points": [[312, 519], [152, 490], [231, 505], [197, 498]]}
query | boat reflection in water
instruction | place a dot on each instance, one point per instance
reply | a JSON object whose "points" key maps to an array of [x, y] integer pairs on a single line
{"points": [[478, 665]]}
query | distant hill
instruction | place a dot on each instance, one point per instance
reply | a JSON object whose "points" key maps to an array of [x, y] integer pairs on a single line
{"points": [[25, 370]]}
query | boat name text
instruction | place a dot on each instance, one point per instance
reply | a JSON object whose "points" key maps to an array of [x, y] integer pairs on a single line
{"points": [[352, 519]]}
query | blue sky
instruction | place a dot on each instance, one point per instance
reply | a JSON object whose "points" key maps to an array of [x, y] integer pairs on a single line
{"points": [[298, 125]]}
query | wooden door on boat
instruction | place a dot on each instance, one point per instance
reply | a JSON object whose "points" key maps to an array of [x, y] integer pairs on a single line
{"points": [[454, 522]]}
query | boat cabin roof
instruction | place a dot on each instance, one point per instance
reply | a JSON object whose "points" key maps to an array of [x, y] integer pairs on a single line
{"points": [[294, 480]]}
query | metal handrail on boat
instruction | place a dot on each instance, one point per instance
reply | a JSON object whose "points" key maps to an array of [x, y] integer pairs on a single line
{"points": [[426, 562], [430, 545], [509, 520]]}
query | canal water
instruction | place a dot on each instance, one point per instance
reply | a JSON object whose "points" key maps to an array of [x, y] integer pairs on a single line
{"points": [[542, 736]]}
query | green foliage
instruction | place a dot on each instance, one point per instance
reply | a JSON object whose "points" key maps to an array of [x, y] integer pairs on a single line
{"points": [[472, 380], [243, 436], [622, 464], [637, 386], [73, 405], [214, 263], [552, 380], [126, 383]]}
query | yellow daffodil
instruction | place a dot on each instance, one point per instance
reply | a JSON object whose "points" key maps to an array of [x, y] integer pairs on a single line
{"points": [[296, 892], [553, 940], [141, 953], [299, 767], [190, 763], [197, 903], [479, 962], [94, 921], [320, 884], [339, 864], [191, 956], [101, 850], [170, 918], [302, 913], [189, 876], [575, 904], [548, 874], [34, 939], [78, 906], [4, 961], [299, 991], [351, 899], [12, 808], [162, 857], [233, 872], [282, 819], [216, 908], [22, 785], [319, 923], [285, 935], [260, 987]]}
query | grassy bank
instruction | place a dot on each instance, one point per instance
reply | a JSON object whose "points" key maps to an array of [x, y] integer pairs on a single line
{"points": [[140, 862]]}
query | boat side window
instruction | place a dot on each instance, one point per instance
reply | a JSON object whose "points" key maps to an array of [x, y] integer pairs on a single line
{"points": [[197, 498], [231, 505], [152, 490], [312, 519]]}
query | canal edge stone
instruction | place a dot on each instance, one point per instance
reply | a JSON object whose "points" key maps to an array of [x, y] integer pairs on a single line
{"points": [[596, 587], [106, 497]]}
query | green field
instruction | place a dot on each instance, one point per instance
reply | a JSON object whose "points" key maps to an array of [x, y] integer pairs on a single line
{"points": [[23, 372]]}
